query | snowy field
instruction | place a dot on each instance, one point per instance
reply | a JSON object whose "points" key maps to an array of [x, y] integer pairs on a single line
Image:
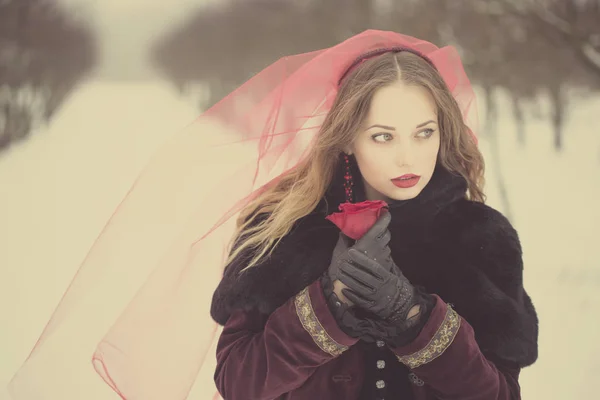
{"points": [[58, 189]]}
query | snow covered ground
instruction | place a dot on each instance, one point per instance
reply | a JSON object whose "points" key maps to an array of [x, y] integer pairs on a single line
{"points": [[58, 189]]}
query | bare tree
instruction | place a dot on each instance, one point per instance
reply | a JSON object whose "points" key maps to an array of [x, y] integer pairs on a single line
{"points": [[575, 23], [44, 52], [564, 36], [225, 44]]}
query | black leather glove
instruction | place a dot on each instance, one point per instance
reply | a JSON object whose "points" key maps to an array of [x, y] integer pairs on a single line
{"points": [[393, 325], [345, 315], [382, 291], [374, 243]]}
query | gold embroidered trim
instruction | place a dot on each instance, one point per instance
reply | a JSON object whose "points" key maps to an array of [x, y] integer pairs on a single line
{"points": [[311, 324], [442, 339]]}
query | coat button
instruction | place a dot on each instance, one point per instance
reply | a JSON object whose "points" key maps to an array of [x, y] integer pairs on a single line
{"points": [[380, 384], [380, 343], [380, 364]]}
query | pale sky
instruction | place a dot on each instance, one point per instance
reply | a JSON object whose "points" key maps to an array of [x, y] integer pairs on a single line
{"points": [[126, 29]]}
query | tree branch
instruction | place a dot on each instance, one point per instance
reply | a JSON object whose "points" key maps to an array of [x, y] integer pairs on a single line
{"points": [[567, 29], [591, 56]]}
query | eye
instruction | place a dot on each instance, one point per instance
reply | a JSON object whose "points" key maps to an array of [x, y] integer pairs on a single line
{"points": [[426, 133], [382, 137]]}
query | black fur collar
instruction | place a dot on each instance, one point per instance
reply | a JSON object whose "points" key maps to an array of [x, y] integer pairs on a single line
{"points": [[465, 252], [311, 241]]}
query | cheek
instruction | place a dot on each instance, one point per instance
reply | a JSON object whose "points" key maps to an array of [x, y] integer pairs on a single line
{"points": [[371, 162], [368, 164], [430, 152]]}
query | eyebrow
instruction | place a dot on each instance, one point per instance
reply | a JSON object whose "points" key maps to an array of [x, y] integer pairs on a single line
{"points": [[391, 128]]}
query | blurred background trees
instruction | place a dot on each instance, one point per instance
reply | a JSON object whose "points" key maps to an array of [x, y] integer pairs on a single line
{"points": [[525, 48], [539, 53], [44, 53]]}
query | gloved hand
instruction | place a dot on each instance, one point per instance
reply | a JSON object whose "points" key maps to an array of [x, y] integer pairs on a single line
{"points": [[345, 315], [391, 298], [383, 291], [374, 243]]}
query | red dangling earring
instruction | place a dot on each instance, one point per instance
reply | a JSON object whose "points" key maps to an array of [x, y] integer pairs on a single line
{"points": [[348, 181]]}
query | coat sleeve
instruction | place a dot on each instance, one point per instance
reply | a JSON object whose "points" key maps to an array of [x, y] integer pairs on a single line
{"points": [[281, 350], [479, 355], [447, 358]]}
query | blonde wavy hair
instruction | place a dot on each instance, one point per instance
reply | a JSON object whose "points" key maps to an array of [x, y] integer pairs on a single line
{"points": [[271, 215]]}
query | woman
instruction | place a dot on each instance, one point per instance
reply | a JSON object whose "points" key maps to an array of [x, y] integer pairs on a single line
{"points": [[428, 304]]}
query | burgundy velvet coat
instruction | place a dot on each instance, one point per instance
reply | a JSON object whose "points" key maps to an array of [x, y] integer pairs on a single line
{"points": [[280, 340]]}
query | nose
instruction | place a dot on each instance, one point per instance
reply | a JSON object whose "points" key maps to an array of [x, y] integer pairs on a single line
{"points": [[404, 153]]}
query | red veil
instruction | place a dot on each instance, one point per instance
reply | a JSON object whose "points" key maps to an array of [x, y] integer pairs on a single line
{"points": [[137, 311]]}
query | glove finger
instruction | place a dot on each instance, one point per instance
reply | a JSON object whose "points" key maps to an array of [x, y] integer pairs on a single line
{"points": [[379, 254], [375, 233], [355, 283], [362, 275], [374, 266], [357, 299], [342, 244], [385, 255], [367, 264], [385, 239], [379, 250]]}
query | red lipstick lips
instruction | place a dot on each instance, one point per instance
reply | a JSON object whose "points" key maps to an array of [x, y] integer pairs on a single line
{"points": [[406, 181]]}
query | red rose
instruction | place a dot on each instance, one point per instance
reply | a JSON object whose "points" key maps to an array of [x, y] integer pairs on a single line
{"points": [[355, 219]]}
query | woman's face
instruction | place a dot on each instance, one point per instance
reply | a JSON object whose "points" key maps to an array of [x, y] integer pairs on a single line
{"points": [[397, 146]]}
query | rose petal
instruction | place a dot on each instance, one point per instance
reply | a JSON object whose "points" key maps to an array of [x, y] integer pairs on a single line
{"points": [[355, 219]]}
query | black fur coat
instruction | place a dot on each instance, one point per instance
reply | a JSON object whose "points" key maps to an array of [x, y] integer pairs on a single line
{"points": [[465, 252]]}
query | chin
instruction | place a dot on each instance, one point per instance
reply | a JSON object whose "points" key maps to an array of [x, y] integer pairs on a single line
{"points": [[405, 194]]}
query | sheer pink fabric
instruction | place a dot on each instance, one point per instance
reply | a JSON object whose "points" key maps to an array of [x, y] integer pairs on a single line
{"points": [[137, 311]]}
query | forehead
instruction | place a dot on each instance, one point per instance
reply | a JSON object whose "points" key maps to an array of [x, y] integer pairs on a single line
{"points": [[400, 105]]}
